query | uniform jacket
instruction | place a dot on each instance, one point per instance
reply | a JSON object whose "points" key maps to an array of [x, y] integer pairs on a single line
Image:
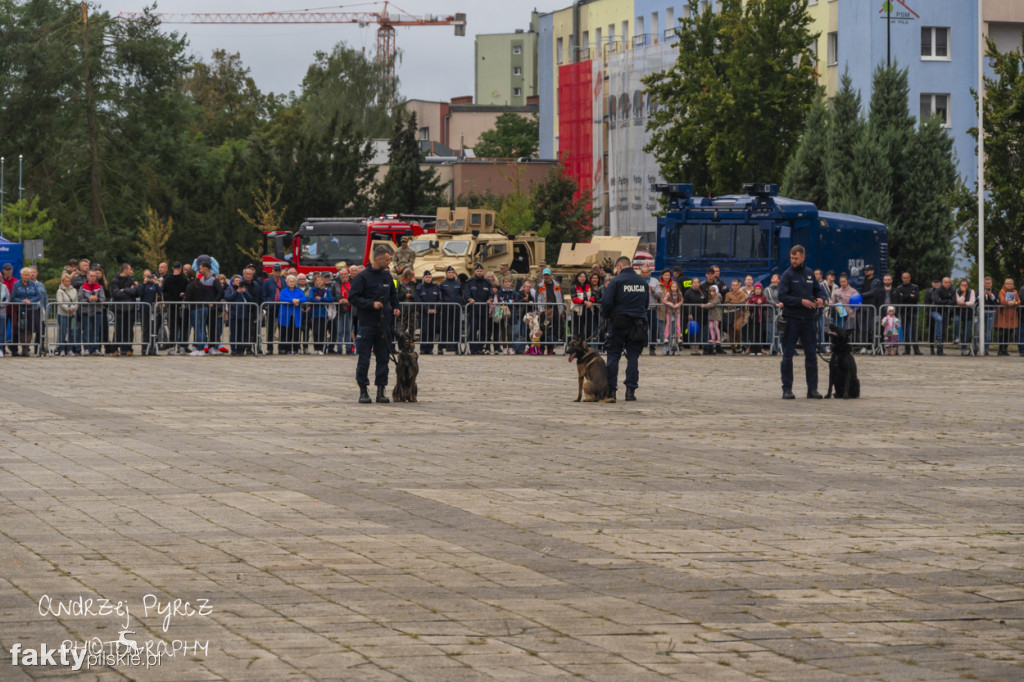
{"points": [[428, 293], [373, 285], [451, 290], [478, 289], [627, 294], [796, 285]]}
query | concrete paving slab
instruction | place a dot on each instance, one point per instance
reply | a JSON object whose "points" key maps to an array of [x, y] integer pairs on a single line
{"points": [[497, 530]]}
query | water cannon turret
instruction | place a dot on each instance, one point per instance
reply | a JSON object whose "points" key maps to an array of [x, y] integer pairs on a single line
{"points": [[677, 193], [761, 189]]}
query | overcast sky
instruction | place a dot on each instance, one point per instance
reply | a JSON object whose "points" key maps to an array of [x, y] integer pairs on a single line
{"points": [[435, 65]]}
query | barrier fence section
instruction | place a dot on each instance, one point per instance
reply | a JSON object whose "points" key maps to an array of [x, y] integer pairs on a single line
{"points": [[23, 328], [194, 328], [295, 328], [98, 328], [123, 328], [437, 327]]}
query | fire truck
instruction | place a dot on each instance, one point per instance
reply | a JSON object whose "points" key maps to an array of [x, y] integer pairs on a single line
{"points": [[320, 243]]}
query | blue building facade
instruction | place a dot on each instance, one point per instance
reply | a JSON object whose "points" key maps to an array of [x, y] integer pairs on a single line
{"points": [[935, 40]]}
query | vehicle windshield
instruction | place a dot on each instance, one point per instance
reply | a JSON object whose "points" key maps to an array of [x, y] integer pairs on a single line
{"points": [[420, 246], [456, 247], [328, 249]]}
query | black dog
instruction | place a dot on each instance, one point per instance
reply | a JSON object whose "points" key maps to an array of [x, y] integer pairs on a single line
{"points": [[407, 368], [842, 368]]}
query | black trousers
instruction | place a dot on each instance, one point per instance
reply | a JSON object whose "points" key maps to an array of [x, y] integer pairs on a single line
{"points": [[805, 331], [617, 342], [375, 339]]}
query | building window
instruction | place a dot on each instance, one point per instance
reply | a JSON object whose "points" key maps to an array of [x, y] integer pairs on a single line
{"points": [[934, 42], [517, 71], [517, 49], [833, 48], [517, 92], [598, 45], [935, 105], [558, 50], [814, 54], [425, 134]]}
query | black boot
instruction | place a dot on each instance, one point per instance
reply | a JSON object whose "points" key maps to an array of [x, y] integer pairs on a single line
{"points": [[610, 398], [630, 393], [381, 398], [364, 395]]}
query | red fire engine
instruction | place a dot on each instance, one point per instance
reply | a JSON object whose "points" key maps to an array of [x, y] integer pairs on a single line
{"points": [[320, 243]]}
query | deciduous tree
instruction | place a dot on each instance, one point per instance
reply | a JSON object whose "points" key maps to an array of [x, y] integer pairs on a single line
{"points": [[513, 136], [733, 106]]}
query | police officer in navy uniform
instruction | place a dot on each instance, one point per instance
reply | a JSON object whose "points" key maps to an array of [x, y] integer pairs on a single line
{"points": [[624, 305], [375, 300], [801, 297], [477, 290], [451, 315], [430, 294]]}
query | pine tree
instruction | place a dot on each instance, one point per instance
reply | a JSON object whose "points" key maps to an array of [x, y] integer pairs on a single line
{"points": [[921, 239], [1004, 168], [845, 133], [407, 187], [917, 208], [805, 172]]}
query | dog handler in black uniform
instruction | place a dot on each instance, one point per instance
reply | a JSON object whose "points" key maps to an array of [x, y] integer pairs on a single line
{"points": [[801, 297], [624, 305], [375, 299]]}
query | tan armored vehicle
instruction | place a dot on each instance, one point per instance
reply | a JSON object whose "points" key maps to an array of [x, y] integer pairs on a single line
{"points": [[467, 236]]}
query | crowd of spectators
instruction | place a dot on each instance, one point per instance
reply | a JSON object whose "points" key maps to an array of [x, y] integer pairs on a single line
{"points": [[500, 312]]}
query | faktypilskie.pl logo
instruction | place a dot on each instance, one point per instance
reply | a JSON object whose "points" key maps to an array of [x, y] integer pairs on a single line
{"points": [[129, 649]]}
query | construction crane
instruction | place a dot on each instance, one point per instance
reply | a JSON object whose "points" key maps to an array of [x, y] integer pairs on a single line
{"points": [[386, 22]]}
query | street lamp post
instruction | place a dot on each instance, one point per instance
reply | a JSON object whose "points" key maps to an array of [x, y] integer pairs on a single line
{"points": [[1, 186], [888, 33], [20, 212], [983, 342]]}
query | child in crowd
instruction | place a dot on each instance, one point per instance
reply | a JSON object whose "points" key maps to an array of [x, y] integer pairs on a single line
{"points": [[673, 302], [714, 306], [891, 327]]}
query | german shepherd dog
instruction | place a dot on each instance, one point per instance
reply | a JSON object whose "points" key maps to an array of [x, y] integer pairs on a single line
{"points": [[592, 371], [407, 368], [842, 367]]}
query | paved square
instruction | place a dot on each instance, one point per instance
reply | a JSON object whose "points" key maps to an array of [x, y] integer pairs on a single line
{"points": [[497, 530]]}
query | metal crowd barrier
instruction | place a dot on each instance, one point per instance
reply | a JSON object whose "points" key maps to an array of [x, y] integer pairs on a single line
{"points": [[507, 328], [743, 328], [524, 327], [23, 329], [437, 327], [191, 328], [101, 328], [301, 328]]}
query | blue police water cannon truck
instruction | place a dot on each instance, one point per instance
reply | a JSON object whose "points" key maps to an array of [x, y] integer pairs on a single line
{"points": [[751, 234]]}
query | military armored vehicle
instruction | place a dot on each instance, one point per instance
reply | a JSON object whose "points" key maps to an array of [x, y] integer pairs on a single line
{"points": [[466, 236]]}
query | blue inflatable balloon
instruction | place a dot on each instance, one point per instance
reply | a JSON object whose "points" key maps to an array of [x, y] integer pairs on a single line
{"points": [[856, 300], [693, 328]]}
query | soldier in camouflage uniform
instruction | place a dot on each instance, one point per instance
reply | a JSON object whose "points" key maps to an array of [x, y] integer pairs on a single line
{"points": [[405, 257]]}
